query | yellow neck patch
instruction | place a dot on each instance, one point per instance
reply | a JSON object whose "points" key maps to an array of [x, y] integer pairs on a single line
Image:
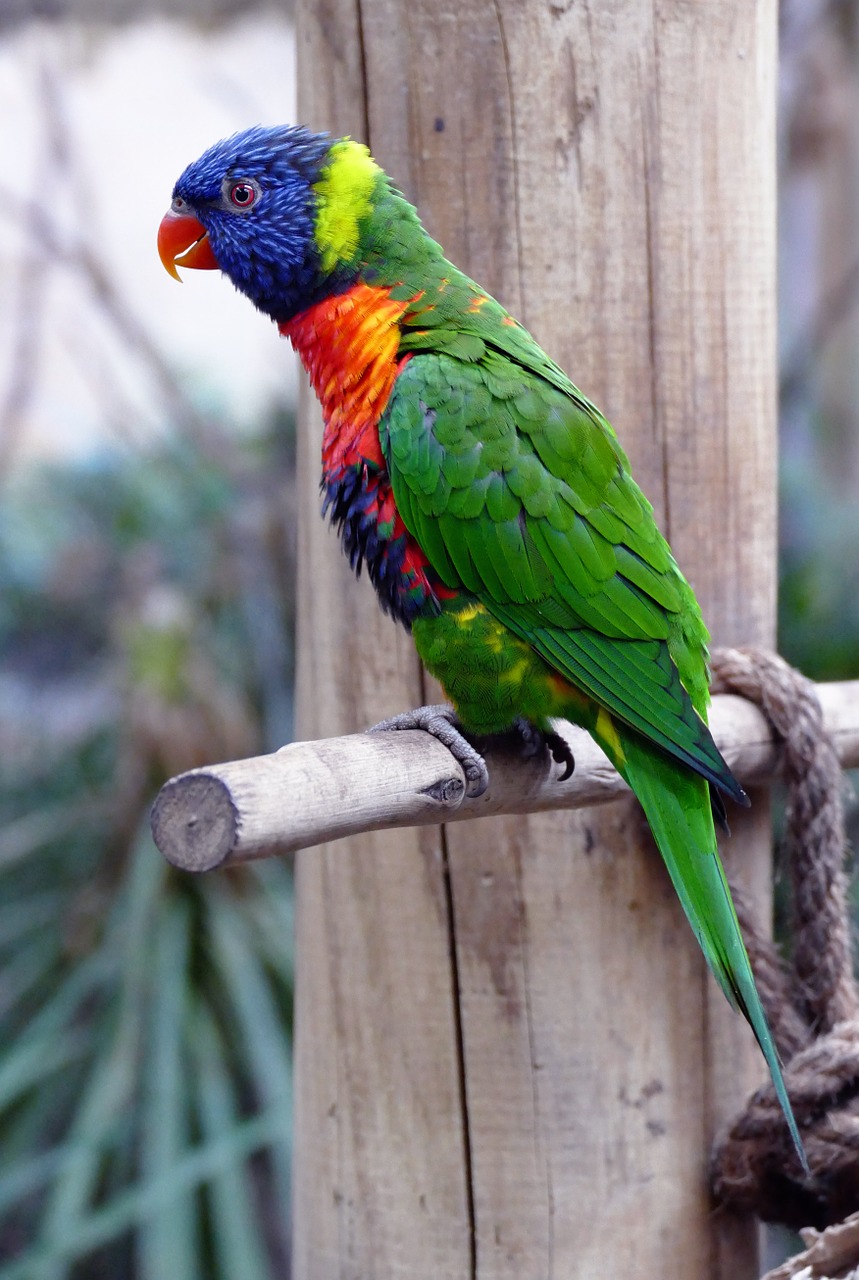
{"points": [[343, 199]]}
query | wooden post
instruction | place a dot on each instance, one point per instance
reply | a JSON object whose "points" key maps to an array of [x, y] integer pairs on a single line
{"points": [[510, 1060]]}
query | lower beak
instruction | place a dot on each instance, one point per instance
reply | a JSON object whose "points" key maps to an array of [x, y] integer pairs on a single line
{"points": [[183, 242]]}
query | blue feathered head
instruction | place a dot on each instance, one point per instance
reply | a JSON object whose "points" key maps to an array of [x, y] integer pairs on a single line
{"points": [[277, 210]]}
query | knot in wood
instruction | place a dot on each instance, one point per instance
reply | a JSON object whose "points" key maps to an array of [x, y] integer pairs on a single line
{"points": [[447, 792]]}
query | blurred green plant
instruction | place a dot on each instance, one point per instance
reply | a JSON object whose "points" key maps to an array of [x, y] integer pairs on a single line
{"points": [[146, 607], [818, 573]]}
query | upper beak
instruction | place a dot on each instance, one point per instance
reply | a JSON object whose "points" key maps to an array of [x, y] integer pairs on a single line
{"points": [[182, 241]]}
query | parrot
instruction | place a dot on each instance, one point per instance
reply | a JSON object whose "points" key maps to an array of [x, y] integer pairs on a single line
{"points": [[489, 500]]}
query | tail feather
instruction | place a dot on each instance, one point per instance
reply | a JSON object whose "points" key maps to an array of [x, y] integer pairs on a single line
{"points": [[676, 803]]}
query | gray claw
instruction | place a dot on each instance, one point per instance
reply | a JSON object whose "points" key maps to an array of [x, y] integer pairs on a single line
{"points": [[442, 723], [535, 741], [561, 754]]}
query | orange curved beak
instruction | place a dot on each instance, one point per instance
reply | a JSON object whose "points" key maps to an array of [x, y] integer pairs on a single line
{"points": [[182, 242]]}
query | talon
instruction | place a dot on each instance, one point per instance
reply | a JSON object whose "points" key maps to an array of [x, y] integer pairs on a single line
{"points": [[561, 754], [533, 742], [441, 722]]}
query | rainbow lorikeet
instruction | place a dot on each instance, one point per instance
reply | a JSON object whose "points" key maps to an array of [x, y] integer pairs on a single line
{"points": [[489, 499]]}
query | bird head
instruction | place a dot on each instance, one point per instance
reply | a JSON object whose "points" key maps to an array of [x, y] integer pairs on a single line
{"points": [[278, 210]]}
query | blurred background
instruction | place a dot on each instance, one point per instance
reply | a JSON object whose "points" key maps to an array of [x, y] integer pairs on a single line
{"points": [[147, 601], [146, 621]]}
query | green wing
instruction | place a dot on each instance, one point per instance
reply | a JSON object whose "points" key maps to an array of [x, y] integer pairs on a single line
{"points": [[519, 492]]}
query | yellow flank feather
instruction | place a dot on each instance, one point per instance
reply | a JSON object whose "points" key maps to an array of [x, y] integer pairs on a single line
{"points": [[516, 672], [467, 614], [343, 192], [608, 735]]}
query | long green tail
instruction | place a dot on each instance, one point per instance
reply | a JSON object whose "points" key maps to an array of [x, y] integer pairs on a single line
{"points": [[676, 803]]}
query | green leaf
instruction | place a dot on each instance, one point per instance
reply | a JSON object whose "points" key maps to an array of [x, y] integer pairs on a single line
{"points": [[264, 1042], [167, 1242], [236, 1230], [132, 1209]]}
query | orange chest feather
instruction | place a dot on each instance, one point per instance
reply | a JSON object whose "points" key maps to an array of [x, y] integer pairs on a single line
{"points": [[348, 344]]}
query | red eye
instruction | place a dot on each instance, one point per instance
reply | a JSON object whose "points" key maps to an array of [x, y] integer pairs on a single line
{"points": [[242, 195]]}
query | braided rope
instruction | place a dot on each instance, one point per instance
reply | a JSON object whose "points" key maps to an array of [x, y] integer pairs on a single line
{"points": [[812, 1007]]}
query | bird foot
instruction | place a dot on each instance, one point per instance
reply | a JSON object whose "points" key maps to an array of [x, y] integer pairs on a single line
{"points": [[535, 741], [442, 723]]}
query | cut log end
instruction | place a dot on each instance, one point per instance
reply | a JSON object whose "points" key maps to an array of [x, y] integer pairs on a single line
{"points": [[195, 822]]}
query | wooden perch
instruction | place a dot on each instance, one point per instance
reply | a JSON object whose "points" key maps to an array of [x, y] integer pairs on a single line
{"points": [[310, 792]]}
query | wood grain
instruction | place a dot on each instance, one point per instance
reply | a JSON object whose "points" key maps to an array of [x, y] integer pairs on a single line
{"points": [[380, 1179], [510, 1059]]}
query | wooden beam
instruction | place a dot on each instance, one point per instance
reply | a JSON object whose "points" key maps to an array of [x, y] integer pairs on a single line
{"points": [[311, 792], [510, 1059]]}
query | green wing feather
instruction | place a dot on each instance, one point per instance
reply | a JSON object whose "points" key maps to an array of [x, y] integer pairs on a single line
{"points": [[524, 498], [518, 492]]}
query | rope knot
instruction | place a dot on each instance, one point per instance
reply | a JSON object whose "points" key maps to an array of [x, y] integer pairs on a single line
{"points": [[812, 1005]]}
